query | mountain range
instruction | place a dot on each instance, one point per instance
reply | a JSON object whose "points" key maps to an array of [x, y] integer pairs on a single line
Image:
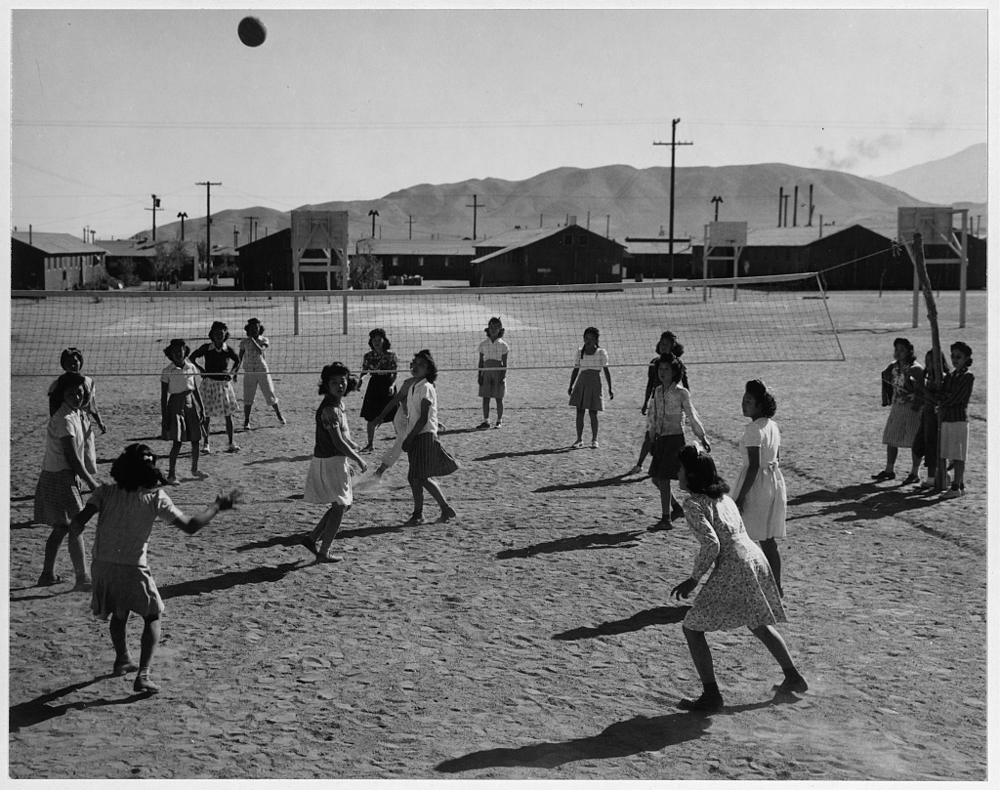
{"points": [[621, 201]]}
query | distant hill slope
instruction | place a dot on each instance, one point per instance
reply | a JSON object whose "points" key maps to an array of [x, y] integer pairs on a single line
{"points": [[619, 199], [959, 178]]}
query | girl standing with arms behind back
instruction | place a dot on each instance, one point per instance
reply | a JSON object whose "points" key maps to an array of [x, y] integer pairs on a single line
{"points": [[493, 353], [256, 373], [428, 459], [585, 391], [760, 487]]}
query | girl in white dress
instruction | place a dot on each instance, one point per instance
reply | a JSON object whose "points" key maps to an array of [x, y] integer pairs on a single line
{"points": [[760, 487], [585, 391]]}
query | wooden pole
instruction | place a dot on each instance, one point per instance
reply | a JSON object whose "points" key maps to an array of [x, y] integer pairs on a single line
{"points": [[941, 472]]}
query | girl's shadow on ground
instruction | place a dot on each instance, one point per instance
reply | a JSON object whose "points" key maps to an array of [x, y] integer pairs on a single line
{"points": [[865, 501], [36, 711], [622, 739], [525, 453], [660, 615], [601, 540], [617, 480]]}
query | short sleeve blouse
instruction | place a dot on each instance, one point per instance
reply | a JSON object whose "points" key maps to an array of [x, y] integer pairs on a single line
{"points": [[65, 422], [420, 391], [179, 379], [595, 361], [494, 350], [126, 520]]}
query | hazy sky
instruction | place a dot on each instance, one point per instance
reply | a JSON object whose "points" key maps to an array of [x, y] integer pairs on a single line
{"points": [[109, 107]]}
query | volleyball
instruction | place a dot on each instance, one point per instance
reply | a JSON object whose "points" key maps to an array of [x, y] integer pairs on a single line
{"points": [[252, 31]]}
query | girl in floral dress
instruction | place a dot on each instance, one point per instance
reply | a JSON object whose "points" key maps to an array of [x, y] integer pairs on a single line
{"points": [[741, 589], [904, 421]]}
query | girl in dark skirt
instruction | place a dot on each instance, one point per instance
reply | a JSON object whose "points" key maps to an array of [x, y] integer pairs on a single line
{"points": [[585, 392], [182, 411], [665, 435], [428, 459], [122, 581], [667, 344], [380, 386]]}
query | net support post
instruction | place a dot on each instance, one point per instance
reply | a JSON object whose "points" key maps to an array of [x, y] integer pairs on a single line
{"points": [[964, 271], [916, 295], [345, 311], [295, 312]]}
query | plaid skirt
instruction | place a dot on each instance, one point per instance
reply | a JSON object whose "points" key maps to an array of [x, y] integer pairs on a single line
{"points": [[219, 398], [120, 589], [58, 497], [181, 423], [429, 459]]}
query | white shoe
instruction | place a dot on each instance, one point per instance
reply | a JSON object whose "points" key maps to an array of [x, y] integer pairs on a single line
{"points": [[953, 493], [206, 448], [928, 483], [595, 444]]}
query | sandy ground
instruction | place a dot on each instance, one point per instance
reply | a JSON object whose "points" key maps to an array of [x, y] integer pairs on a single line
{"points": [[534, 637]]}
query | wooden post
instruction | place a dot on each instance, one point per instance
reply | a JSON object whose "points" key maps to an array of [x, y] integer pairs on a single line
{"points": [[941, 472]]}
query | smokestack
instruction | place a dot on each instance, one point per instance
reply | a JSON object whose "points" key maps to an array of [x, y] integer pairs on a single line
{"points": [[795, 207], [29, 234], [781, 203], [811, 206]]}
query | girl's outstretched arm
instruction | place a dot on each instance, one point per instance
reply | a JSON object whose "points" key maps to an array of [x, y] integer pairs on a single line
{"points": [[76, 462], [395, 401], [692, 415], [192, 524]]}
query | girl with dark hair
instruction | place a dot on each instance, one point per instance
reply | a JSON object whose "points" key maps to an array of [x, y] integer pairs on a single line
{"points": [[71, 361], [66, 468], [761, 495], [217, 379], [904, 421], [122, 581], [741, 589], [428, 459], [667, 344], [665, 435], [380, 388], [587, 394], [953, 404], [329, 478], [925, 443], [256, 372], [181, 408], [493, 353]]}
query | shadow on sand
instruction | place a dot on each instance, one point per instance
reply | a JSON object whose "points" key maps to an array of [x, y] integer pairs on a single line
{"points": [[660, 615], [226, 581], [599, 540], [36, 711], [617, 480]]}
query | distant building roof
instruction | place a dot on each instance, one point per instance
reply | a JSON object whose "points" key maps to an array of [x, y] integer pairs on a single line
{"points": [[140, 248], [656, 246], [415, 247], [519, 237], [57, 243], [799, 236]]}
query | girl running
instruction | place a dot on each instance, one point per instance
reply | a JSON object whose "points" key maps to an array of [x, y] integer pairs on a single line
{"points": [[587, 394], [493, 353], [181, 409], [122, 581], [66, 468], [741, 590], [428, 459], [217, 379], [256, 373], [380, 387], [665, 435], [760, 487], [328, 481]]}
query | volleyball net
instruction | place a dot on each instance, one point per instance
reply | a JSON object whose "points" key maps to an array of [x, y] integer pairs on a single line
{"points": [[123, 333]]}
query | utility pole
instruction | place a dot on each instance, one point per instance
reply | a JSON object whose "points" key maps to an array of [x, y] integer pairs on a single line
{"points": [[250, 229], [93, 233], [182, 216], [208, 224], [373, 213], [717, 200], [411, 227], [476, 205], [673, 151], [236, 237], [154, 209], [542, 216], [607, 229]]}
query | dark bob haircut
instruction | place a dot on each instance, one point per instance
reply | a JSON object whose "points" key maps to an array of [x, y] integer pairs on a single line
{"points": [[593, 330], [66, 381], [676, 348], [676, 366], [902, 341], [223, 327], [763, 396], [337, 369], [379, 332], [701, 473], [136, 468], [965, 348], [495, 320], [175, 344], [253, 321], [68, 354], [432, 368]]}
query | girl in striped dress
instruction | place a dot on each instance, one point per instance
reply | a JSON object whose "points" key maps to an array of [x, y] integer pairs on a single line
{"points": [[428, 459]]}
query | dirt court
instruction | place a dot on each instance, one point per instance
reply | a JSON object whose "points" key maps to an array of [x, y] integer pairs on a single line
{"points": [[534, 637]]}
